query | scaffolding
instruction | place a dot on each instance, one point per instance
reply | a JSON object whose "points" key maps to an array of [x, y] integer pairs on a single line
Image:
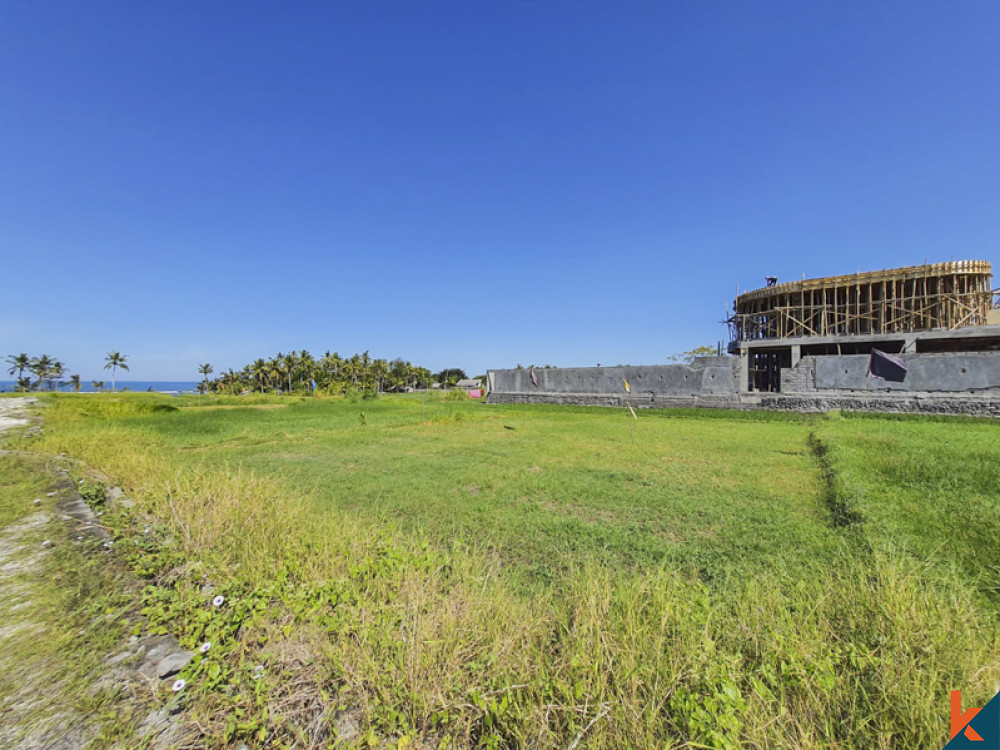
{"points": [[901, 300]]}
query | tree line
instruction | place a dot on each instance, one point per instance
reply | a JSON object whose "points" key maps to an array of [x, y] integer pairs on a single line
{"points": [[295, 372], [301, 372], [47, 373]]}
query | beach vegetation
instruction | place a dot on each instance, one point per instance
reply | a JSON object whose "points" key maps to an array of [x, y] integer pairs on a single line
{"points": [[299, 372]]}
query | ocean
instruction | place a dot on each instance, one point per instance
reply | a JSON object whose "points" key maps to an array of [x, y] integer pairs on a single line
{"points": [[161, 386]]}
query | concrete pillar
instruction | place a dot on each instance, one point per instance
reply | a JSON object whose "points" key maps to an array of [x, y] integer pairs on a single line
{"points": [[796, 354], [742, 371]]}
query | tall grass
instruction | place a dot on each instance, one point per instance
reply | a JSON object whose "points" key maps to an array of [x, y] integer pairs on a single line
{"points": [[852, 640]]}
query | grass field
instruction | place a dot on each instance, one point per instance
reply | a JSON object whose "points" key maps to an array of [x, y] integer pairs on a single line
{"points": [[456, 574]]}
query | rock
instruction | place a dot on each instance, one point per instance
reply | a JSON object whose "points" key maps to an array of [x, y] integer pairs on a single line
{"points": [[47, 543], [348, 726], [117, 496], [119, 658], [171, 665], [156, 648]]}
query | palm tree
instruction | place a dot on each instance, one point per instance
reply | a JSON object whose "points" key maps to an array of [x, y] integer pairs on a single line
{"points": [[366, 361], [18, 363], [74, 380], [98, 385], [287, 366], [206, 370], [114, 360], [40, 367], [56, 370], [259, 371]]}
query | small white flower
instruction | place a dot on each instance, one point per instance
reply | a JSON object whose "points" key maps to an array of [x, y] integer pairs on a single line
{"points": [[178, 686], [205, 647], [218, 601]]}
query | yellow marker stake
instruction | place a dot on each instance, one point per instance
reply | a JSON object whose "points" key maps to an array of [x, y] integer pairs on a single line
{"points": [[628, 388]]}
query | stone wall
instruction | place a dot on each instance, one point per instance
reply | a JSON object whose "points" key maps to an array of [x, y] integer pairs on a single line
{"points": [[963, 383], [966, 372], [977, 405], [706, 376]]}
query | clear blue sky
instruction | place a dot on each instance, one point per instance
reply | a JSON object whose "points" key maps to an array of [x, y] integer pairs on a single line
{"points": [[471, 184]]}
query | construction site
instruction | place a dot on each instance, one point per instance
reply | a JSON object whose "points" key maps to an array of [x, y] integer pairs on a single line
{"points": [[805, 345]]}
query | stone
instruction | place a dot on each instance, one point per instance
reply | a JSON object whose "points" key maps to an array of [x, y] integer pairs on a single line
{"points": [[348, 727], [171, 665]]}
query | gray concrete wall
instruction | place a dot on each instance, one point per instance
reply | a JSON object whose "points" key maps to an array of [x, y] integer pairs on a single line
{"points": [[927, 373], [966, 383], [706, 376]]}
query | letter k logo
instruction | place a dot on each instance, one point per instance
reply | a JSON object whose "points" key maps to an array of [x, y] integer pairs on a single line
{"points": [[959, 720]]}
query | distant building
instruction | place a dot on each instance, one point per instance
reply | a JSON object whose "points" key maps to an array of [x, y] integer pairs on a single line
{"points": [[942, 307], [808, 346], [469, 383]]}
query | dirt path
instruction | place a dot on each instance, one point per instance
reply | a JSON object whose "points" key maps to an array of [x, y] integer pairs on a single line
{"points": [[53, 695], [29, 718], [14, 412]]}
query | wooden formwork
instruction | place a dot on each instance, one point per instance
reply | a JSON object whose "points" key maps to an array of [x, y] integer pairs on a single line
{"points": [[901, 300]]}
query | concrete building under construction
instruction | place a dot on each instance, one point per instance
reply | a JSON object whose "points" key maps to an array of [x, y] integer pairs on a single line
{"points": [[944, 307], [805, 345]]}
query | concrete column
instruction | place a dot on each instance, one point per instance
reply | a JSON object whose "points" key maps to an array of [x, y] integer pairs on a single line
{"points": [[742, 370], [796, 354]]}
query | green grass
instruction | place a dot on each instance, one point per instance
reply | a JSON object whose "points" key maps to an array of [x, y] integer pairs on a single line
{"points": [[490, 576]]}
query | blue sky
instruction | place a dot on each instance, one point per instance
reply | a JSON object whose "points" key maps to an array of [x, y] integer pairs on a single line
{"points": [[471, 184]]}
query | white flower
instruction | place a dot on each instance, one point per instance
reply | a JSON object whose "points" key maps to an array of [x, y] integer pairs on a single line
{"points": [[205, 647], [179, 685], [218, 601]]}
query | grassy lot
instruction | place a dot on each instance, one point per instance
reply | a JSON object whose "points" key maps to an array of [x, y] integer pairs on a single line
{"points": [[455, 574]]}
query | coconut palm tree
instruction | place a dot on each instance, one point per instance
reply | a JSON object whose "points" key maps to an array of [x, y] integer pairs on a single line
{"points": [[258, 371], [39, 367], [54, 375], [113, 361], [18, 363], [74, 380], [97, 385], [206, 370]]}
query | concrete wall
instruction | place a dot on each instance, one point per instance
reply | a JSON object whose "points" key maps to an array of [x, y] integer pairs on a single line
{"points": [[967, 383], [927, 373], [706, 376]]}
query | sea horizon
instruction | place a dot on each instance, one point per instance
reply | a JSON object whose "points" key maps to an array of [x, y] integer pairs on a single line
{"points": [[158, 386]]}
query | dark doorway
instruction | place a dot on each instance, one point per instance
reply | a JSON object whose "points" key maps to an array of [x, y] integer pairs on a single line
{"points": [[765, 369]]}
